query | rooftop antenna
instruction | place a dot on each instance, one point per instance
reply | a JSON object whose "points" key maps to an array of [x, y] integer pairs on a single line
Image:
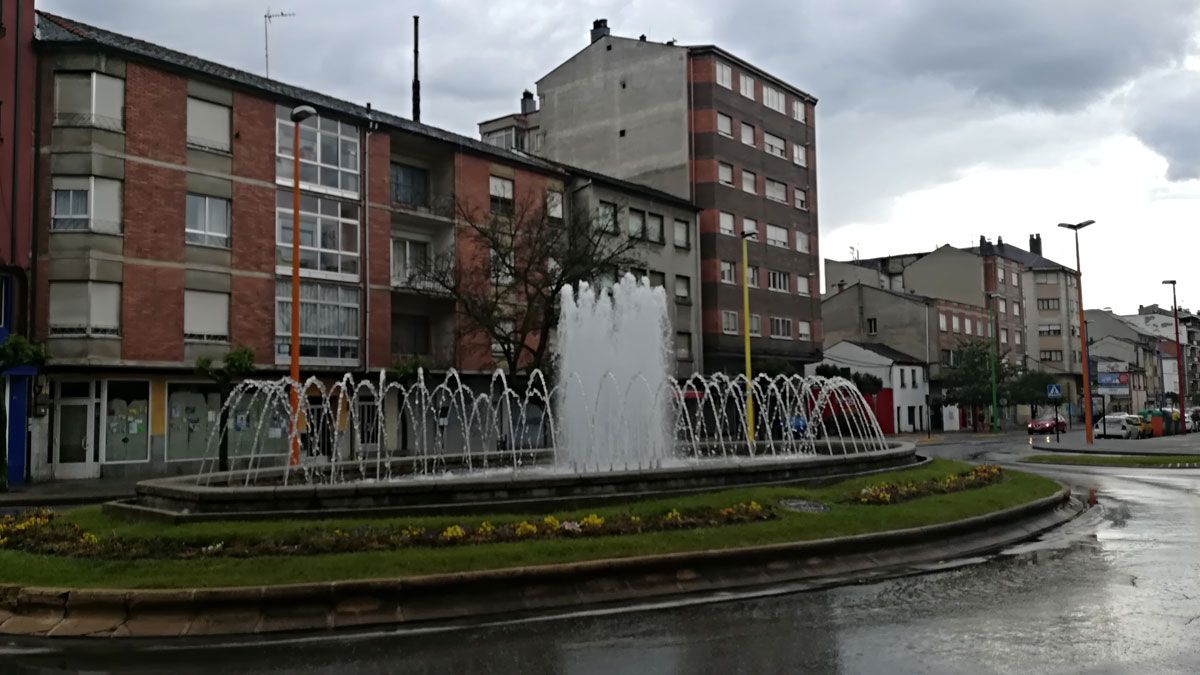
{"points": [[416, 83], [267, 35]]}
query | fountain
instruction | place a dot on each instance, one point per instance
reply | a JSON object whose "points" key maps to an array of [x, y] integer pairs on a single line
{"points": [[614, 425]]}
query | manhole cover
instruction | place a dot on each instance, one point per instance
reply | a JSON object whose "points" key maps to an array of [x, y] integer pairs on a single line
{"points": [[803, 506]]}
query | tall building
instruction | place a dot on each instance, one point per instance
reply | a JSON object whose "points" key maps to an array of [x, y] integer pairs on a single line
{"points": [[705, 125], [163, 234], [18, 62]]}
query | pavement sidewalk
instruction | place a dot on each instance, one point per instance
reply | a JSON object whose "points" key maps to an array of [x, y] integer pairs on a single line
{"points": [[1075, 442], [68, 492]]}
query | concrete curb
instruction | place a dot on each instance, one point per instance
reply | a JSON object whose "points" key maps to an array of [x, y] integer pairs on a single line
{"points": [[1052, 447], [65, 612]]}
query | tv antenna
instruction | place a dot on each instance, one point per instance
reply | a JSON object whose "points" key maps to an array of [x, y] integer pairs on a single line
{"points": [[267, 35]]}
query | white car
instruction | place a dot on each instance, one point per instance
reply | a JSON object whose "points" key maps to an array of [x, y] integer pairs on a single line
{"points": [[1115, 426]]}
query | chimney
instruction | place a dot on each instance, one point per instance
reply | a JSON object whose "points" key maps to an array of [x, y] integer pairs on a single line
{"points": [[841, 286], [528, 103], [642, 37], [1035, 244], [982, 241], [999, 241], [599, 29]]}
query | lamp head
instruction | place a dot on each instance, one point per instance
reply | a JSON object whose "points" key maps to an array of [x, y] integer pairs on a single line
{"points": [[302, 112]]}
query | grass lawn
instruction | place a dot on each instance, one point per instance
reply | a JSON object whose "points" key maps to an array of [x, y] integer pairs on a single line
{"points": [[842, 519], [1115, 460]]}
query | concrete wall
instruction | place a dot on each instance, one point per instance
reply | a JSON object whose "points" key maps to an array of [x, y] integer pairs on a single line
{"points": [[913, 392], [619, 107], [901, 322], [849, 274], [947, 273]]}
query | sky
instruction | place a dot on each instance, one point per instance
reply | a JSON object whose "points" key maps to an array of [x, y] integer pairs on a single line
{"points": [[938, 120]]}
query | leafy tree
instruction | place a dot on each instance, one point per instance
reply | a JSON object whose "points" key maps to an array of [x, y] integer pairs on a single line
{"points": [[510, 264], [867, 383], [969, 381], [829, 370], [237, 365], [16, 351], [1029, 387]]}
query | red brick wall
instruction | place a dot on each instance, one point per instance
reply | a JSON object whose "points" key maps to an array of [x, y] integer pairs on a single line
{"points": [[704, 121], [151, 313], [153, 206], [378, 235], [253, 230], [703, 69], [252, 316], [379, 332], [155, 114], [253, 137], [705, 170]]}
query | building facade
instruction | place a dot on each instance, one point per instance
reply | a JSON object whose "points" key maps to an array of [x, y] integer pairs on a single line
{"points": [[163, 235], [699, 123], [901, 406]]}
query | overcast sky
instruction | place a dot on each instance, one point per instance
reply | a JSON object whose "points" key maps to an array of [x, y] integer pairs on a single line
{"points": [[939, 120]]}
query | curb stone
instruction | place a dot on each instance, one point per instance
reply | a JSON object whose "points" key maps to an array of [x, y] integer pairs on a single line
{"points": [[55, 612]]}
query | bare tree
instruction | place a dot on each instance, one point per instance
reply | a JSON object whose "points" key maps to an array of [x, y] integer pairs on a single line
{"points": [[511, 261]]}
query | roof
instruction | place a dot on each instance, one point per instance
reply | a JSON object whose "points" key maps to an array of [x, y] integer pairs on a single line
{"points": [[894, 355], [627, 185], [1019, 255], [925, 300], [703, 49], [52, 29]]}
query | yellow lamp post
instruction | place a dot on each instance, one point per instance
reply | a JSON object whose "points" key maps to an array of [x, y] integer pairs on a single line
{"points": [[746, 236]]}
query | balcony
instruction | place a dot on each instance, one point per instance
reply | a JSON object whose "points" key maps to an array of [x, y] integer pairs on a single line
{"points": [[411, 256], [421, 180]]}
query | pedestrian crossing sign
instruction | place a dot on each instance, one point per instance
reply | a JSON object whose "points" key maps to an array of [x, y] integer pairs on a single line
{"points": [[1054, 390]]}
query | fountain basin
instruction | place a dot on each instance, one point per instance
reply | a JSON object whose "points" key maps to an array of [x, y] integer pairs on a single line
{"points": [[226, 495]]}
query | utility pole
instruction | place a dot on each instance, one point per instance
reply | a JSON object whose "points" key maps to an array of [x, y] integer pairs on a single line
{"points": [[267, 36]]}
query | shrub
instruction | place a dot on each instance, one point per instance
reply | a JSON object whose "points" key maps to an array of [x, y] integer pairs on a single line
{"points": [[892, 493]]}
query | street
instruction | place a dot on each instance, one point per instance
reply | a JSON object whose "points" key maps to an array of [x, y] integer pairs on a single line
{"points": [[1112, 591]]}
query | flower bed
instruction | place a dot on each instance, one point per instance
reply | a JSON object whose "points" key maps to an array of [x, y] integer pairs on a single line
{"points": [[892, 493], [42, 532]]}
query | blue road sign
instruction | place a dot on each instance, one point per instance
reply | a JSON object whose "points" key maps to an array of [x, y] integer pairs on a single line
{"points": [[1054, 391]]}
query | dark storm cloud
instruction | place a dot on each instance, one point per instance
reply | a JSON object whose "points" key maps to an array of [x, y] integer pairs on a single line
{"points": [[1162, 112]]}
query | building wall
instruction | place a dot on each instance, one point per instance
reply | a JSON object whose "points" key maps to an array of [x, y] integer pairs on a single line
{"points": [[847, 274], [1009, 312], [947, 273], [619, 106], [904, 324]]}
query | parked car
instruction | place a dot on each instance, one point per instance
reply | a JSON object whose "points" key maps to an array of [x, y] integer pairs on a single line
{"points": [[1116, 426], [1047, 425], [1141, 424]]}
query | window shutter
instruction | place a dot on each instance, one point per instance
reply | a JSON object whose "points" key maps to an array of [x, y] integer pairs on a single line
{"points": [[105, 304], [207, 124], [205, 313], [106, 205], [68, 304], [73, 96], [110, 101]]}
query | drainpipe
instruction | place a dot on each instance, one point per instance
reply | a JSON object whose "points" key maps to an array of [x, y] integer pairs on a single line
{"points": [[366, 244]]}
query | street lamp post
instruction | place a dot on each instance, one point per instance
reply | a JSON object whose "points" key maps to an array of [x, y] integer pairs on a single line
{"points": [[299, 114], [1179, 365], [1087, 375], [747, 235], [993, 356]]}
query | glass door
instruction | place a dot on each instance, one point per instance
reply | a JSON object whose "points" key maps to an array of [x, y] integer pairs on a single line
{"points": [[73, 433]]}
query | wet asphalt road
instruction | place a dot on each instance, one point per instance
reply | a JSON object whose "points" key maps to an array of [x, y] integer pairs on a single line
{"points": [[1116, 590]]}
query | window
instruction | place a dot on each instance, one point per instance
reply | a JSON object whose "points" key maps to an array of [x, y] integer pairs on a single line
{"points": [[800, 199], [89, 100], [798, 110], [1050, 329], [637, 223], [779, 281], [1016, 308], [748, 134], [1001, 306], [903, 379], [501, 192], [913, 377], [1051, 355], [86, 203], [1017, 336], [746, 84], [85, 308], [773, 98], [328, 320], [410, 185], [683, 234], [205, 316], [725, 125], [802, 285], [725, 174], [979, 328], [799, 155], [410, 334], [683, 289], [724, 75], [774, 145], [1045, 278], [781, 328], [502, 138], [941, 322], [755, 325], [803, 330], [194, 410], [1003, 336], [683, 346], [729, 322], [655, 228], [752, 277], [777, 236], [207, 125], [728, 272], [500, 264], [776, 191], [947, 357], [1048, 303], [126, 432], [409, 258], [750, 226], [657, 279], [207, 221], [606, 216], [328, 234], [554, 205], [328, 152], [954, 323], [1014, 279], [726, 223], [802, 244], [872, 326], [749, 182]]}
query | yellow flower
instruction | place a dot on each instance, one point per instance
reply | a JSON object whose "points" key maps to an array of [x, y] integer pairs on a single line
{"points": [[3, 541], [754, 507], [526, 529], [674, 516], [635, 520], [90, 539], [413, 532], [550, 522], [592, 522], [485, 528], [453, 533]]}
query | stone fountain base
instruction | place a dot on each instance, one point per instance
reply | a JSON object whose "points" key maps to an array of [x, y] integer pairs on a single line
{"points": [[233, 495]]}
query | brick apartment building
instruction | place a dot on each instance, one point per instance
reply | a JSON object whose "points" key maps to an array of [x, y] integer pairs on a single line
{"points": [[17, 103], [700, 123], [163, 234]]}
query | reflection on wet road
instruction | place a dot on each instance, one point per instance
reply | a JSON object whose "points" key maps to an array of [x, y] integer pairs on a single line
{"points": [[1113, 591]]}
